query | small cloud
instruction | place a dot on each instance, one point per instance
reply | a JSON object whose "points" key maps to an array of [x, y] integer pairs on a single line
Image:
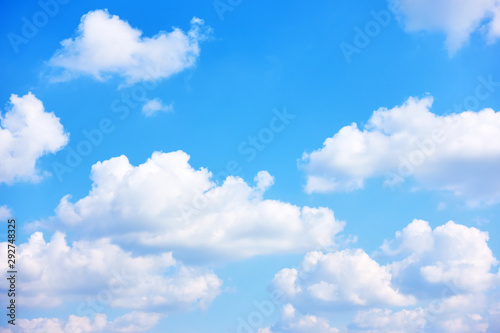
{"points": [[5, 213], [106, 45], [231, 290], [481, 221], [153, 106]]}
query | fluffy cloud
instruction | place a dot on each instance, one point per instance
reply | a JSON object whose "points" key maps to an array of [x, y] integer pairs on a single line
{"points": [[456, 314], [106, 45], [386, 321], [27, 133], [155, 105], [167, 204], [447, 271], [457, 19], [348, 277], [293, 322], [451, 254], [453, 152], [130, 322], [55, 273]]}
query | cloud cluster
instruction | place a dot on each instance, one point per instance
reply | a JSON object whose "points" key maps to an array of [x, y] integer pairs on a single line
{"points": [[27, 133], [55, 273], [167, 204], [449, 271], [294, 322], [106, 45], [342, 278], [457, 19], [451, 254], [130, 322], [456, 314], [384, 320], [452, 152]]}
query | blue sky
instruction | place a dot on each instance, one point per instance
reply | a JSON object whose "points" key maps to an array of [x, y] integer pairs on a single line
{"points": [[265, 95]]}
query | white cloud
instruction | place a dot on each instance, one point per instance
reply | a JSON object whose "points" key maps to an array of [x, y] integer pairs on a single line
{"points": [[494, 314], [386, 321], [167, 204], [451, 254], [449, 269], [416, 238], [456, 314], [106, 45], [54, 273], [155, 105], [293, 322], [130, 322], [457, 19], [446, 271], [454, 152], [286, 282], [348, 277], [5, 213], [27, 133]]}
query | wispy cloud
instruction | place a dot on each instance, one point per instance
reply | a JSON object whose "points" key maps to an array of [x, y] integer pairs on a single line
{"points": [[153, 106]]}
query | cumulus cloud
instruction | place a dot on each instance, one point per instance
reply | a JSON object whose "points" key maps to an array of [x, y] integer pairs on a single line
{"points": [[105, 45], [167, 204], [27, 133], [386, 321], [55, 272], [453, 152], [457, 19], [455, 314], [451, 254], [154, 106], [448, 271], [294, 322], [458, 314], [348, 277], [130, 322]]}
